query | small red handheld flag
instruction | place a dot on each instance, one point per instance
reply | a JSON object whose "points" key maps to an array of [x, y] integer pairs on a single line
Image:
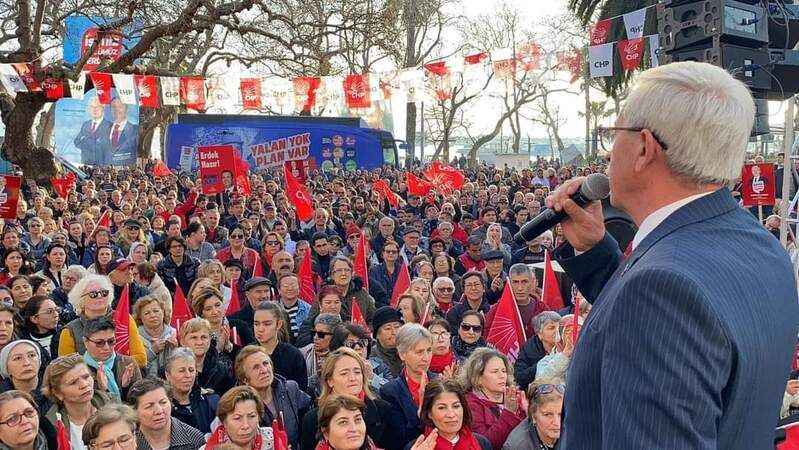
{"points": [[104, 220], [551, 292], [234, 337], [122, 323], [234, 306], [161, 170], [360, 267], [507, 331], [281, 437], [181, 312], [299, 196], [417, 186], [258, 268], [307, 287], [401, 285], [62, 437], [384, 190], [356, 316]]}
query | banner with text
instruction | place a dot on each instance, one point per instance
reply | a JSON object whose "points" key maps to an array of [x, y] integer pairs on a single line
{"points": [[757, 184], [217, 168], [9, 196]]}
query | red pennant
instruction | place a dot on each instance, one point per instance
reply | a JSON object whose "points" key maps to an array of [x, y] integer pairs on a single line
{"points": [[439, 75], [192, 92], [445, 176], [571, 61], [384, 190], [299, 196], [122, 323], [235, 305], [530, 55], [62, 436], [234, 337], [250, 93], [63, 185], [306, 276], [25, 71], [507, 331], [632, 53], [550, 291], [53, 88], [477, 58], [161, 170], [576, 321], [305, 92], [417, 186], [791, 439], [402, 284], [102, 85], [241, 174], [600, 31], [360, 267], [147, 86], [356, 91], [356, 316], [105, 219], [181, 313], [281, 437], [258, 268]]}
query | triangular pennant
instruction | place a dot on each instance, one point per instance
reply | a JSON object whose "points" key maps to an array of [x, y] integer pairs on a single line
{"points": [[235, 305], [102, 86], [126, 89], [634, 23], [654, 50], [631, 53], [600, 60], [551, 295], [507, 330], [360, 267], [170, 91], [192, 92], [402, 284], [250, 93], [600, 32], [306, 276], [147, 88], [181, 313], [122, 323]]}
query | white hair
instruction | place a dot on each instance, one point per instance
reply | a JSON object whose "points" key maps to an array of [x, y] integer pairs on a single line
{"points": [[700, 112], [76, 297]]}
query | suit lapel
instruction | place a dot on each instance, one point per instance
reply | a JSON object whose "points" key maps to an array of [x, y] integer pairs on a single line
{"points": [[701, 209]]}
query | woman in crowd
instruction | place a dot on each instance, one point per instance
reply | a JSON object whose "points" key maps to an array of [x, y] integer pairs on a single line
{"points": [[103, 256], [346, 372], [207, 302], [237, 250], [356, 337], [41, 325], [113, 372], [157, 335], [157, 428], [425, 271], [14, 263], [546, 326], [212, 372], [214, 271], [446, 418], [269, 324], [147, 276], [444, 359], [404, 393], [113, 425], [541, 429], [20, 363], [341, 275], [444, 266], [316, 353], [554, 366], [60, 295], [21, 290], [240, 411], [92, 297], [342, 425], [41, 285], [470, 334], [69, 386], [55, 261], [273, 243], [254, 368], [329, 303], [21, 427], [497, 406], [191, 404], [138, 252]]}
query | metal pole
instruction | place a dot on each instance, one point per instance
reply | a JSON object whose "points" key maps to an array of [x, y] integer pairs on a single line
{"points": [[787, 169], [421, 136], [587, 79]]}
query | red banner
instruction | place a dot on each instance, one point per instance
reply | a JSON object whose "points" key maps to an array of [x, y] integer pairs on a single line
{"points": [[306, 276], [600, 32], [147, 85], [477, 58], [356, 91], [530, 55], [9, 196], [631, 53], [360, 266], [299, 196], [305, 92], [53, 89], [63, 185], [109, 49], [384, 190], [402, 284], [181, 313], [417, 186], [758, 184], [250, 93], [507, 332], [192, 92], [102, 84], [217, 168]]}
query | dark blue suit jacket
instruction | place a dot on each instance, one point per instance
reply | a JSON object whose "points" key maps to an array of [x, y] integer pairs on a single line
{"points": [[689, 342]]}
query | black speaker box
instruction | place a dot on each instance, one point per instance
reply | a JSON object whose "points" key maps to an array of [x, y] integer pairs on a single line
{"points": [[741, 62], [712, 22]]}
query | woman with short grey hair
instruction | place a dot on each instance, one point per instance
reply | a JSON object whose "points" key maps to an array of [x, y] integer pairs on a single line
{"points": [[191, 404], [316, 352], [541, 344]]}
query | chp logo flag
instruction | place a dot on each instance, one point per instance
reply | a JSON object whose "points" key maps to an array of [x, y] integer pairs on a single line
{"points": [[445, 176], [102, 84], [360, 267], [299, 196], [250, 93], [357, 91], [507, 331], [147, 85], [631, 52], [192, 91], [306, 275], [634, 23], [122, 323], [600, 31], [600, 58], [170, 91], [418, 186]]}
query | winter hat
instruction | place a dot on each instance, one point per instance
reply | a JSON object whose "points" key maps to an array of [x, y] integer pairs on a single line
{"points": [[384, 315]]}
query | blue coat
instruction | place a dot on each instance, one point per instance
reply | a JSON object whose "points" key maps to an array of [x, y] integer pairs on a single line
{"points": [[689, 341], [403, 417]]}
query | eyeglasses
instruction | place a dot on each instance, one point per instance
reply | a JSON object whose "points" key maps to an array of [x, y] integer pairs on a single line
{"points": [[15, 419], [97, 294], [607, 135], [544, 389], [475, 328], [446, 289], [237, 236], [110, 342], [272, 242], [123, 441], [355, 345], [322, 334], [134, 228], [341, 271], [390, 252], [49, 312], [441, 335]]}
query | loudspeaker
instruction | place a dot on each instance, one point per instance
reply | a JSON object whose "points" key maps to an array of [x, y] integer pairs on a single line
{"points": [[785, 68], [619, 224], [742, 62], [710, 23]]}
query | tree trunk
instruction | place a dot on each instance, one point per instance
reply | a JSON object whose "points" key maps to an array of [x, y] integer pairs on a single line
{"points": [[18, 147], [410, 134], [44, 132]]}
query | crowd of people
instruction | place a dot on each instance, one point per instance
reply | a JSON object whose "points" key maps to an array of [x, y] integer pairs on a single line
{"points": [[419, 375]]}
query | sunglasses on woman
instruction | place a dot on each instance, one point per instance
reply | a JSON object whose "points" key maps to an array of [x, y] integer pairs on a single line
{"points": [[475, 328], [545, 389], [97, 294]]}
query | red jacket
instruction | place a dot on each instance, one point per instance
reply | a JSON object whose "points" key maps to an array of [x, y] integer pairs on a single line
{"points": [[491, 420]]}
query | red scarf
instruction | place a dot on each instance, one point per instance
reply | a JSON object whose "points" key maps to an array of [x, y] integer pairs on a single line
{"points": [[441, 362], [220, 436], [444, 307], [368, 445], [413, 386], [466, 441]]}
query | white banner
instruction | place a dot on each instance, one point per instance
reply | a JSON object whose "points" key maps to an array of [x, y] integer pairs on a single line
{"points": [[11, 79], [654, 49], [126, 88], [634, 23], [223, 93], [600, 58], [76, 88], [170, 91], [412, 83]]}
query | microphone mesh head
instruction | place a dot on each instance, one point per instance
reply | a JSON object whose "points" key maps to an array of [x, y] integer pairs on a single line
{"points": [[596, 186]]}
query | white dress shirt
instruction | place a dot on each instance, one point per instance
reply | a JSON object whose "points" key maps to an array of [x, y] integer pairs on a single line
{"points": [[656, 218]]}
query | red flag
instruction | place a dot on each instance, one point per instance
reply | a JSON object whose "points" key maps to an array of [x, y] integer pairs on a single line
{"points": [[102, 84], [281, 437], [383, 188], [530, 55], [439, 76], [235, 305], [299, 196], [571, 61], [576, 321], [242, 170], [632, 53], [161, 170], [360, 267], [104, 220], [444, 175], [356, 316], [477, 58], [258, 268], [62, 436], [192, 92], [122, 323], [307, 288], [181, 312], [53, 88], [791, 439], [356, 91], [417, 186], [507, 331], [551, 292], [305, 92], [600, 31], [401, 285], [63, 185], [234, 337], [25, 71], [250, 93], [147, 85]]}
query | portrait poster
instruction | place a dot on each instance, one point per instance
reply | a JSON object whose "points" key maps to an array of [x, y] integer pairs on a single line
{"points": [[9, 195], [757, 185]]}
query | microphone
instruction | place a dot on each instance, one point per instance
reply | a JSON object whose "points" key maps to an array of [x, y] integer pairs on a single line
{"points": [[595, 187]]}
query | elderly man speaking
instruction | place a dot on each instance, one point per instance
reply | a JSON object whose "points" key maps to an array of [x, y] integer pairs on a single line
{"points": [[689, 343]]}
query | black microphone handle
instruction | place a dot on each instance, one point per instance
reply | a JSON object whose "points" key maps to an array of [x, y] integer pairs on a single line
{"points": [[545, 220]]}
